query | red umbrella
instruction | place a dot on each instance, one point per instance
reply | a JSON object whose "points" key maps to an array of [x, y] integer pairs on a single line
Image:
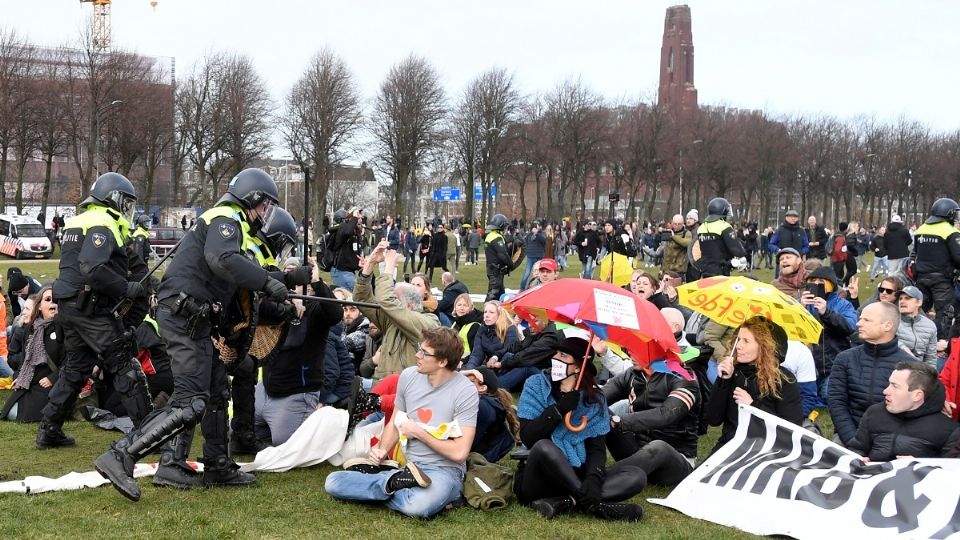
{"points": [[607, 311]]}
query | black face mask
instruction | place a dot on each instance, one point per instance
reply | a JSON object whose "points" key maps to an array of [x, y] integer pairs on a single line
{"points": [[678, 335]]}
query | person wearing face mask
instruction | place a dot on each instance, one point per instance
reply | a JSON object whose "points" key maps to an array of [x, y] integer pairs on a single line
{"points": [[566, 470], [43, 354], [493, 338], [752, 375]]}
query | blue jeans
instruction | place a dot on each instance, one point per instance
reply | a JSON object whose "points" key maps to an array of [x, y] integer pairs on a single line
{"points": [[342, 278], [527, 271], [5, 370], [878, 264], [588, 269], [445, 487], [513, 378]]}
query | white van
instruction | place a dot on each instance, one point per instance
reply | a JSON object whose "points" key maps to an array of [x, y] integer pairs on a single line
{"points": [[24, 237]]}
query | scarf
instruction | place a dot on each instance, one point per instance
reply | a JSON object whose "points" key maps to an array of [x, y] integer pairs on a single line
{"points": [[35, 354], [536, 398], [797, 280]]}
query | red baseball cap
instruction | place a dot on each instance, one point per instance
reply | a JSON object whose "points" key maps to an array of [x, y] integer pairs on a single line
{"points": [[549, 264]]}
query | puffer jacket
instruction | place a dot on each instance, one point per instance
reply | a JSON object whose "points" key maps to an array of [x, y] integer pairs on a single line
{"points": [[667, 407], [486, 344], [919, 334], [400, 327], [790, 236], [921, 433], [857, 380]]}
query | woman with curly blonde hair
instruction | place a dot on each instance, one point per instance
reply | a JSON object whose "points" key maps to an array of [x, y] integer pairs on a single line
{"points": [[752, 375]]}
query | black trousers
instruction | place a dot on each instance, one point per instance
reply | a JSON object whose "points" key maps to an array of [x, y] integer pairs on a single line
{"points": [[938, 293], [547, 473], [494, 285], [661, 463]]}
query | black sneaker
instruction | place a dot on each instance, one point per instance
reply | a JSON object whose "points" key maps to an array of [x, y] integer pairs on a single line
{"points": [[552, 507], [408, 477], [50, 435], [364, 465], [617, 511]]}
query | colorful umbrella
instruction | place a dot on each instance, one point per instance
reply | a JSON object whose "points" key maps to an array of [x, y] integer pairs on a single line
{"points": [[731, 300], [615, 268]]}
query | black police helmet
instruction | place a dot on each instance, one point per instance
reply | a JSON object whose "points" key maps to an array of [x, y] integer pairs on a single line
{"points": [[250, 187], [498, 222], [945, 208], [115, 191], [144, 221], [280, 231], [719, 206]]}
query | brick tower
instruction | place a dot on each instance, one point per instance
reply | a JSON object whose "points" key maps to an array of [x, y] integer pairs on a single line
{"points": [[677, 91]]}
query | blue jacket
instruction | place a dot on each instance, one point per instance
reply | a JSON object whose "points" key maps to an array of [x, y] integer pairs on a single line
{"points": [[536, 245], [788, 235], [393, 238], [487, 344], [839, 323], [338, 369]]}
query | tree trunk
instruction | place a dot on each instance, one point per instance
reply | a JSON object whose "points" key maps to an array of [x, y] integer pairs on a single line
{"points": [[48, 172]]}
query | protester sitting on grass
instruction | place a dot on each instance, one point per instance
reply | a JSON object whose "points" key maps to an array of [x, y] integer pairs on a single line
{"points": [[466, 321], [916, 332], [20, 286], [645, 285], [836, 315], [430, 394], [355, 328], [909, 421], [430, 302], [452, 289], [526, 358], [43, 354], [18, 333], [498, 427], [752, 375], [565, 470], [493, 339], [400, 317]]}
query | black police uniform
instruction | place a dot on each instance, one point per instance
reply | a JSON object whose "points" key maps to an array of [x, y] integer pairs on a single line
{"points": [[937, 245], [499, 263], [718, 244], [94, 268]]}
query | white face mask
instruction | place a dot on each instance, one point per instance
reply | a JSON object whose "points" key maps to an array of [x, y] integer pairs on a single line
{"points": [[558, 370]]}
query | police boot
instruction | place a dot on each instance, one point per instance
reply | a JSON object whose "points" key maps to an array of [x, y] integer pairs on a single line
{"points": [[617, 511], [223, 471], [173, 470], [116, 464], [551, 507], [51, 435], [131, 385], [243, 441]]}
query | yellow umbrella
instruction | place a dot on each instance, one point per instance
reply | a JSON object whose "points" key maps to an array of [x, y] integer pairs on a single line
{"points": [[619, 266], [731, 300]]}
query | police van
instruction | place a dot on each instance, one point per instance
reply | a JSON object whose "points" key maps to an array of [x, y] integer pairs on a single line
{"points": [[24, 237]]}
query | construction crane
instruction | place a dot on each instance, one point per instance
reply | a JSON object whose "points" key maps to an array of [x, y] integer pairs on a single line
{"points": [[102, 27]]}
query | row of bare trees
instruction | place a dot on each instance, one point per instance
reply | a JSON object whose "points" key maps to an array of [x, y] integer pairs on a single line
{"points": [[551, 154]]}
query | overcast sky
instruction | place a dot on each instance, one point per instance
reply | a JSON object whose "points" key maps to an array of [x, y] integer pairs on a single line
{"points": [[879, 57]]}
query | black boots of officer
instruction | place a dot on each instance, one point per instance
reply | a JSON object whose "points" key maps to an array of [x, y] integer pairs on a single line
{"points": [[173, 470], [116, 464], [218, 468], [51, 435]]}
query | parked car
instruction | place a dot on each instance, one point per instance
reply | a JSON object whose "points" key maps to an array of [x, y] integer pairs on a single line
{"points": [[162, 239], [24, 237]]}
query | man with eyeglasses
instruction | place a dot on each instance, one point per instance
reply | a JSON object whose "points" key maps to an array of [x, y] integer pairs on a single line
{"points": [[430, 394]]}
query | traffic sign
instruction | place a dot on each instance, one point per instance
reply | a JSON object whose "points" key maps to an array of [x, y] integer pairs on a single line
{"points": [[446, 194], [478, 192]]}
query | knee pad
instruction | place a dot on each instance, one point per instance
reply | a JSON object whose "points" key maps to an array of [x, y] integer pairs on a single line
{"points": [[194, 410]]}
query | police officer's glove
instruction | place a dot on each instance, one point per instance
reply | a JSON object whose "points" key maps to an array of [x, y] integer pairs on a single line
{"points": [[136, 290], [298, 276], [568, 401], [275, 289]]}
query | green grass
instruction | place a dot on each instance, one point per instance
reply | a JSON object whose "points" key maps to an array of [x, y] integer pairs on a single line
{"points": [[286, 505]]}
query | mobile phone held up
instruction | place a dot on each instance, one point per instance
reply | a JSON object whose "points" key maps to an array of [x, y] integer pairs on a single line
{"points": [[817, 289]]}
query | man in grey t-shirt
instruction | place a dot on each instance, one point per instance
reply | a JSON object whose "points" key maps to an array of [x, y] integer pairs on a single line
{"points": [[431, 394]]}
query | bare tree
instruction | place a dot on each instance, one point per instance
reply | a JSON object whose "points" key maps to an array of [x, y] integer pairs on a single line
{"points": [[198, 117], [246, 115], [322, 116], [406, 124], [51, 118], [16, 64]]}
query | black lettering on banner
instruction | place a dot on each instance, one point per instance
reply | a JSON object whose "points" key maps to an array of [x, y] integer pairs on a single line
{"points": [[902, 484], [813, 492], [827, 460], [952, 526], [749, 447], [782, 447]]}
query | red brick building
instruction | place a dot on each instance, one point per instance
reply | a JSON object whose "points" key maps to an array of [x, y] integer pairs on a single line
{"points": [[677, 90]]}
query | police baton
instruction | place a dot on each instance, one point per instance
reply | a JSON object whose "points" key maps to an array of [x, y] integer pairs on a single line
{"points": [[307, 298]]}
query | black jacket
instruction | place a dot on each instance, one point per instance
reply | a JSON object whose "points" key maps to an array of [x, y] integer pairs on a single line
{"points": [[857, 380], [93, 257], [347, 245], [450, 294], [438, 250], [535, 350], [498, 258], [718, 244], [722, 408], [819, 235], [878, 247], [297, 366], [31, 401], [592, 247], [791, 236], [897, 240], [667, 408], [922, 433]]}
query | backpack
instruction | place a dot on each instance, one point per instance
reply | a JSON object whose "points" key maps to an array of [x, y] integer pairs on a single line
{"points": [[326, 251], [837, 247]]}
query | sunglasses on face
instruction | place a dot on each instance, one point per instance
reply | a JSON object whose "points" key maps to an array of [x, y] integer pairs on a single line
{"points": [[884, 290]]}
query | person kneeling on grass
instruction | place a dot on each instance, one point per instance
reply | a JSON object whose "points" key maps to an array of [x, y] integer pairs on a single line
{"points": [[565, 469], [430, 395]]}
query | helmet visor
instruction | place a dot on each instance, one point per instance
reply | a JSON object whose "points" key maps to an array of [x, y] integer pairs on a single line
{"points": [[125, 204]]}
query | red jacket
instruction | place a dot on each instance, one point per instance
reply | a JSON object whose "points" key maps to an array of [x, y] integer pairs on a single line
{"points": [[950, 376]]}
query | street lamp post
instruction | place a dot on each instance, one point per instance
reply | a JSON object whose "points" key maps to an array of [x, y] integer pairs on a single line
{"points": [[96, 140], [698, 141]]}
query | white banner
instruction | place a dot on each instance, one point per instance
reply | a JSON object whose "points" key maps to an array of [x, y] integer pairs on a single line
{"points": [[775, 477]]}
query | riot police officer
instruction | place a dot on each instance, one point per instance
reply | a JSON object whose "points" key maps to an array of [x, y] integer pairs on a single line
{"points": [[94, 268], [937, 245], [208, 269], [717, 240], [499, 262], [141, 237]]}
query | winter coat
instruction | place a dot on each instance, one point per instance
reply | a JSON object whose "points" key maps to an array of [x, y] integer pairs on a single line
{"points": [[857, 380], [535, 350], [348, 245], [400, 327], [31, 401], [839, 323], [667, 407], [675, 252], [338, 368], [467, 327], [819, 235], [486, 344], [493, 438], [450, 294], [878, 247], [950, 376], [592, 247], [438, 250], [473, 240], [452, 243], [921, 433], [897, 240], [723, 409], [790, 236], [354, 338], [919, 334], [536, 245]]}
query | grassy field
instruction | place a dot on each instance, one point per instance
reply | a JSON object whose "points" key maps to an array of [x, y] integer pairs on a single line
{"points": [[291, 504]]}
